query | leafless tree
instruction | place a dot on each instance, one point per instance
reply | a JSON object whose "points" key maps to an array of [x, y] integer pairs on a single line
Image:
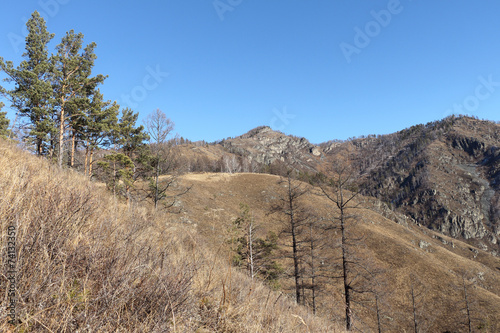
{"points": [[420, 322], [467, 305], [290, 205], [159, 128], [314, 261], [342, 192], [231, 164]]}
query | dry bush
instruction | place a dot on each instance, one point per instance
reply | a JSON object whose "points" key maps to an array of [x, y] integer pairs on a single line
{"points": [[84, 263], [229, 301]]}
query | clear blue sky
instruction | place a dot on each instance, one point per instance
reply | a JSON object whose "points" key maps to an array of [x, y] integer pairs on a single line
{"points": [[319, 69]]}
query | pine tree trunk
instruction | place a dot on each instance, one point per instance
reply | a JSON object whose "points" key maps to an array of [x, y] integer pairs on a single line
{"points": [[90, 163], [39, 146], [73, 148], [61, 137], [114, 179], [86, 158]]}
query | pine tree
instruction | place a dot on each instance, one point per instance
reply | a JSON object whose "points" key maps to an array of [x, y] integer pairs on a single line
{"points": [[118, 170], [127, 136], [97, 125], [33, 94], [250, 250], [72, 80], [4, 122]]}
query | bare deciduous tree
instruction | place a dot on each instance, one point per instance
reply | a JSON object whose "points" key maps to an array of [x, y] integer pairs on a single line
{"points": [[289, 204], [159, 128], [342, 192]]}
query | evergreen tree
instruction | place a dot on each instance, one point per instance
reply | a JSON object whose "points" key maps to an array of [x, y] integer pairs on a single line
{"points": [[127, 136], [253, 252], [118, 170], [4, 122], [97, 125], [72, 71], [33, 94]]}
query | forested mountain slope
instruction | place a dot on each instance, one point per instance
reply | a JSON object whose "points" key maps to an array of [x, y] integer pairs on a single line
{"points": [[445, 175]]}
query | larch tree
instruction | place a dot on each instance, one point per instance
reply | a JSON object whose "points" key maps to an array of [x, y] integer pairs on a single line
{"points": [[294, 225], [33, 95], [315, 256], [342, 192]]}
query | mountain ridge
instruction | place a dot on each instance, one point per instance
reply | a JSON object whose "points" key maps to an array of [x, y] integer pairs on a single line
{"points": [[444, 175]]}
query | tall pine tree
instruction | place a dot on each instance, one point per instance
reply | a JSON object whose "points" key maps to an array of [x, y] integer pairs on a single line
{"points": [[72, 71], [33, 94]]}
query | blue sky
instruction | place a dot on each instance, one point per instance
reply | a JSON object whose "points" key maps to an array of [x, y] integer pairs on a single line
{"points": [[322, 70]]}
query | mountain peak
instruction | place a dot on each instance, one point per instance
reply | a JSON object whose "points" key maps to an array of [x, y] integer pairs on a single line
{"points": [[256, 131]]}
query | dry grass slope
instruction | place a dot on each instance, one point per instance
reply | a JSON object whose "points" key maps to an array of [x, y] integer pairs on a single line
{"points": [[435, 261], [86, 263]]}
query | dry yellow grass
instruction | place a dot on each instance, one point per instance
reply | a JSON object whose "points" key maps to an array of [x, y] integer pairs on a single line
{"points": [[213, 204], [87, 263]]}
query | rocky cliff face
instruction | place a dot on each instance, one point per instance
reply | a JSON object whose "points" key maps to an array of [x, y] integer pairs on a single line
{"points": [[444, 175], [265, 146]]}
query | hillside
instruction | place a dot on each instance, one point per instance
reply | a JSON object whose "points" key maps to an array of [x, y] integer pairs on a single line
{"points": [[85, 262], [444, 175], [424, 236], [259, 150], [437, 262]]}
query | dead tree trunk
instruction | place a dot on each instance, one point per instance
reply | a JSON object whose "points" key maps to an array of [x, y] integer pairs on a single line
{"points": [[414, 307], [467, 305], [313, 272]]}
